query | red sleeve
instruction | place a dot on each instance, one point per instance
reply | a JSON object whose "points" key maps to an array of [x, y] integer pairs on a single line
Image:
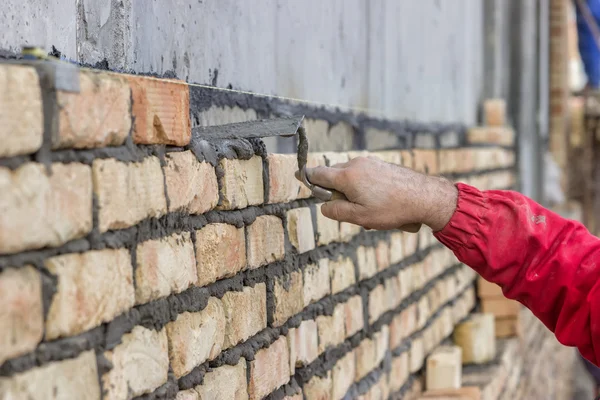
{"points": [[549, 264]]}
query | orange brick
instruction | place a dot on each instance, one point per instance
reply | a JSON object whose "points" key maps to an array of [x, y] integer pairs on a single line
{"points": [[21, 313], [164, 266], [98, 116], [487, 289], [494, 112], [501, 307], [316, 281], [283, 186], [42, 209], [382, 255], [354, 315], [21, 114], [220, 252], [93, 288], [128, 193], [242, 183], [191, 185], [161, 109], [303, 342], [245, 313], [265, 241], [331, 328], [367, 262], [288, 297], [342, 274], [300, 229], [426, 161], [269, 370], [343, 375], [196, 337]]}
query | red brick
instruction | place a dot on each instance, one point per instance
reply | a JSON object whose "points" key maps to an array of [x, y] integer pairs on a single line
{"points": [[21, 312], [283, 186], [343, 375], [265, 241], [140, 364], [300, 229], [98, 116], [164, 266], [93, 288], [269, 370], [75, 378], [367, 262], [191, 185], [242, 183], [319, 388], [354, 315], [245, 313], [316, 281], [196, 337], [220, 252], [21, 114], [331, 328], [494, 112], [128, 193], [382, 254], [161, 109], [225, 382], [342, 274], [288, 296], [328, 230], [303, 343], [42, 209]]}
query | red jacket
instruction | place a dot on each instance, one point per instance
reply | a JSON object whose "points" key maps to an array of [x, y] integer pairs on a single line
{"points": [[549, 264]]}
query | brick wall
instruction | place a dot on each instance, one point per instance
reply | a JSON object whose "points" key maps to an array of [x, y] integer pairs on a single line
{"points": [[138, 262]]}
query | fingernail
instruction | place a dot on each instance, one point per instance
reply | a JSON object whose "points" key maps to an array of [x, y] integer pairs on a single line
{"points": [[297, 175]]}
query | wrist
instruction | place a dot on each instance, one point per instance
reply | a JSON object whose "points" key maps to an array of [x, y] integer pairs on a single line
{"points": [[441, 204]]}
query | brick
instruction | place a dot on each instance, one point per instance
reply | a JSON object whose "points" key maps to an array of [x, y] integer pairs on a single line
{"points": [[245, 313], [508, 327], [300, 229], [348, 231], [319, 388], [265, 241], [93, 288], [416, 355], [283, 186], [377, 303], [464, 393], [98, 116], [371, 352], [494, 112], [161, 109], [303, 343], [392, 292], [288, 297], [21, 114], [382, 255], [396, 247], [476, 337], [21, 313], [189, 394], [242, 183], [128, 193], [220, 252], [269, 370], [316, 281], [333, 158], [501, 307], [354, 316], [410, 243], [42, 209], [487, 289], [297, 396], [225, 382], [196, 337], [342, 274], [423, 312], [75, 378], [389, 156], [380, 139], [444, 368], [164, 266], [399, 372], [426, 161], [367, 262], [191, 185], [403, 325], [331, 328], [502, 136], [328, 230], [343, 376], [140, 364]]}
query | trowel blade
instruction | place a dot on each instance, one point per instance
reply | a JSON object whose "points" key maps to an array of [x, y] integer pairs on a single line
{"points": [[285, 126]]}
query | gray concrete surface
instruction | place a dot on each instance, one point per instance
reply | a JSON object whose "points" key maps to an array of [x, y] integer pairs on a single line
{"points": [[421, 60]]}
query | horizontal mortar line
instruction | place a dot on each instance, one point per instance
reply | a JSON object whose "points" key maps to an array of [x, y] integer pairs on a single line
{"points": [[109, 334], [327, 360]]}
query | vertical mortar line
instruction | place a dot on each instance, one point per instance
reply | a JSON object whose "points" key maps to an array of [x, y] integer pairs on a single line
{"points": [[313, 216], [160, 153], [46, 74]]}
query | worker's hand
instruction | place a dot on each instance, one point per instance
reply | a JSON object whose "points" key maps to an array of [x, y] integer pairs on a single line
{"points": [[385, 196]]}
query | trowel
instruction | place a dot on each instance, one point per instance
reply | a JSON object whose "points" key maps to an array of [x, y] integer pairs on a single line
{"points": [[284, 127]]}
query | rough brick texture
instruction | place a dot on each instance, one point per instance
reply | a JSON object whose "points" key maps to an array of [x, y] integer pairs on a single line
{"points": [[265, 241], [269, 370], [220, 252], [300, 229], [225, 382], [242, 183], [245, 313]]}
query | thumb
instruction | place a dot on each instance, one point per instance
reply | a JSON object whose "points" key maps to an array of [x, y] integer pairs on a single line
{"points": [[341, 210]]}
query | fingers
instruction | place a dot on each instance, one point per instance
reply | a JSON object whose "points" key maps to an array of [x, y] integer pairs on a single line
{"points": [[326, 177], [341, 210]]}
